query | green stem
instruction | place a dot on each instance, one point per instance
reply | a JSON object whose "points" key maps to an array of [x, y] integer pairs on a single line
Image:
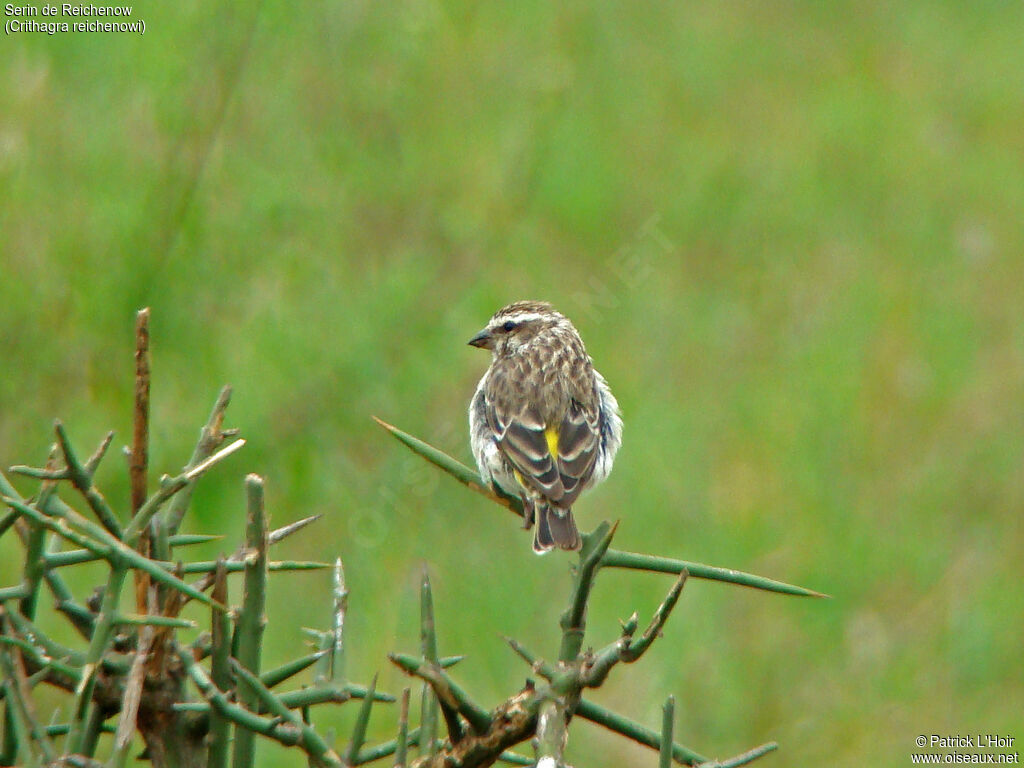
{"points": [[153, 620], [251, 619], [18, 735], [116, 663], [305, 697], [428, 635], [278, 675], [160, 549], [615, 559], [635, 731], [446, 690], [211, 437], [332, 665], [80, 617], [749, 757], [362, 692], [540, 666], [310, 741], [208, 566], [41, 662], [7, 521], [246, 720], [455, 468], [93, 728], [668, 713], [105, 545], [93, 462], [19, 592], [429, 701], [573, 621], [101, 634], [169, 486], [77, 556], [27, 730], [427, 743], [219, 739], [359, 729], [62, 730], [241, 555], [33, 571], [402, 741], [390, 747], [81, 478], [597, 666], [511, 758]]}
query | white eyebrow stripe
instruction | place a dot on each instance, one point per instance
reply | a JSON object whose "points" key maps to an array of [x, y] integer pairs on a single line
{"points": [[522, 317]]}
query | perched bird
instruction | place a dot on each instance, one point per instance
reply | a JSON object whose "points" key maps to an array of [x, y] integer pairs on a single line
{"points": [[543, 423]]}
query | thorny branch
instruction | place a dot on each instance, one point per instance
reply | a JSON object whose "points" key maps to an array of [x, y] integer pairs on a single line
{"points": [[137, 670]]}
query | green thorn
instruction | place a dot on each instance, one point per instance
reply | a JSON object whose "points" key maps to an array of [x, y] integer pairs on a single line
{"points": [[359, 729]]}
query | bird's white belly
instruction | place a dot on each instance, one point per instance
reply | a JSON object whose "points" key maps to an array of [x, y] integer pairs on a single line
{"points": [[495, 465]]}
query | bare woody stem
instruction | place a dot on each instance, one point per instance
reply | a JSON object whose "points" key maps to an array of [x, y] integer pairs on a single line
{"points": [[551, 732], [139, 457], [138, 460]]}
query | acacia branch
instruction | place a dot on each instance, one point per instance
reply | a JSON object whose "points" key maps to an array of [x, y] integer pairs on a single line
{"points": [[138, 462], [613, 558], [355, 743], [238, 558], [251, 620], [310, 741], [81, 478], [573, 621], [455, 468], [447, 690], [637, 561], [219, 729], [19, 698], [638, 733], [551, 733], [668, 713], [626, 649], [331, 664], [248, 721], [513, 722], [138, 457], [105, 545], [211, 437], [133, 693]]}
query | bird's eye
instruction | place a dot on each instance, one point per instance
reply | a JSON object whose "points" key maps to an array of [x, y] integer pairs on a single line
{"points": [[508, 326]]}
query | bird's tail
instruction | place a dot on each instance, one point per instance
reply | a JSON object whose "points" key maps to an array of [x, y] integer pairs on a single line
{"points": [[555, 528]]}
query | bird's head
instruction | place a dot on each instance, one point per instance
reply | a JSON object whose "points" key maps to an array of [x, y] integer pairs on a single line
{"points": [[514, 327]]}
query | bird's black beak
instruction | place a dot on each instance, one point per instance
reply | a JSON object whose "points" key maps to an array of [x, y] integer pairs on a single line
{"points": [[482, 339]]}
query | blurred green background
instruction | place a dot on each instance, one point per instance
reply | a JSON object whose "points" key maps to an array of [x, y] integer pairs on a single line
{"points": [[789, 232]]}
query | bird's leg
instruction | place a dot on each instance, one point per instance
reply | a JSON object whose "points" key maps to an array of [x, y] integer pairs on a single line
{"points": [[528, 513]]}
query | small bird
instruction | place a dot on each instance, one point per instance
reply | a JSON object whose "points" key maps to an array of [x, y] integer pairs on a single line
{"points": [[543, 424]]}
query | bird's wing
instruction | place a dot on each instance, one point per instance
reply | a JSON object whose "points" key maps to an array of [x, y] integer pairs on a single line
{"points": [[523, 439], [554, 460], [578, 441]]}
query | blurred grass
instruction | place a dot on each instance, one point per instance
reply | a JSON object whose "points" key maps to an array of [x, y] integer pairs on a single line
{"points": [[790, 234]]}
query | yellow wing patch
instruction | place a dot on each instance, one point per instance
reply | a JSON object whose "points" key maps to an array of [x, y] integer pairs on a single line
{"points": [[551, 435]]}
